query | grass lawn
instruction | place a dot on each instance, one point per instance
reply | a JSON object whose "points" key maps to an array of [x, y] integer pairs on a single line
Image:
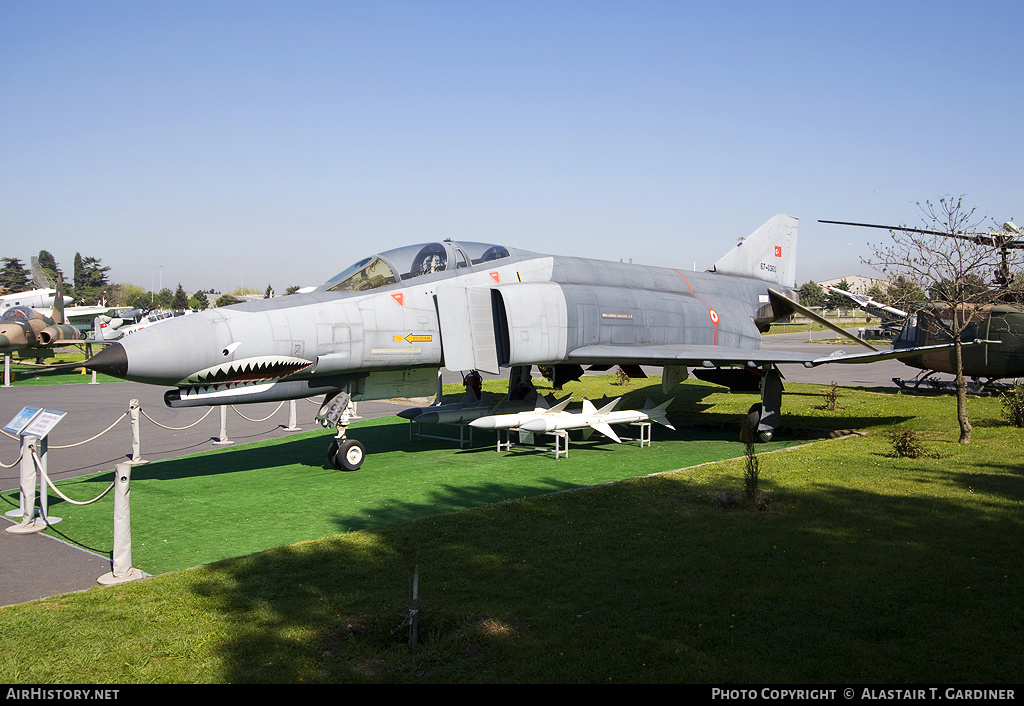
{"points": [[862, 568]]}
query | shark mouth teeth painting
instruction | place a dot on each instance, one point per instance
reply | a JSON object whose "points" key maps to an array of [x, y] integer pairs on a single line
{"points": [[248, 371]]}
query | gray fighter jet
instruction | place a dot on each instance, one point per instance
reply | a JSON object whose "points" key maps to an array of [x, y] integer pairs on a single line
{"points": [[383, 327]]}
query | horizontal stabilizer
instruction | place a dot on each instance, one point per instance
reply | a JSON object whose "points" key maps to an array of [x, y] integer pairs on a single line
{"points": [[782, 304]]}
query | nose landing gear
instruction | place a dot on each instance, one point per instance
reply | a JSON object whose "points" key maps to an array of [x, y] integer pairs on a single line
{"points": [[344, 454]]}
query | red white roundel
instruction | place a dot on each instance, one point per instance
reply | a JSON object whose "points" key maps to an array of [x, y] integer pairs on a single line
{"points": [[714, 316]]}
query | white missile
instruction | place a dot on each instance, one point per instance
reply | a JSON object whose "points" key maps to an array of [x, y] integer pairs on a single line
{"points": [[599, 419], [470, 407], [455, 413], [514, 420]]}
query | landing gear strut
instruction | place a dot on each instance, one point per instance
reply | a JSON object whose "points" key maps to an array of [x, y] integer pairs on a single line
{"points": [[764, 417], [344, 454]]}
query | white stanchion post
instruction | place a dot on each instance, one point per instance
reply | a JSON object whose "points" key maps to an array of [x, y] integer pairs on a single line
{"points": [[223, 439], [28, 490], [292, 418], [121, 556], [133, 412], [7, 370]]}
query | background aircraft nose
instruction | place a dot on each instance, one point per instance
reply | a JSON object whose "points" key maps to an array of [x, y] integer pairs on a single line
{"points": [[112, 360]]}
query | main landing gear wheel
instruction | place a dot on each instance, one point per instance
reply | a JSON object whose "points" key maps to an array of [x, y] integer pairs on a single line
{"points": [[346, 456]]}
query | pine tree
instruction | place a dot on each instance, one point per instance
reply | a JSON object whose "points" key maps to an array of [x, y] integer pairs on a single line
{"points": [[180, 299], [48, 263], [13, 276]]}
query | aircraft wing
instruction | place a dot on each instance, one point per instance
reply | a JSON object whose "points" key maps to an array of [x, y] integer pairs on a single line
{"points": [[716, 356], [49, 367]]}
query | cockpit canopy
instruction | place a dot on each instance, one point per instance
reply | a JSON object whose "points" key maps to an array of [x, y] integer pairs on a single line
{"points": [[403, 264], [20, 313]]}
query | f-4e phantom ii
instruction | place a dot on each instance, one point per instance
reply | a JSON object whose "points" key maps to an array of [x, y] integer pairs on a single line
{"points": [[384, 326]]}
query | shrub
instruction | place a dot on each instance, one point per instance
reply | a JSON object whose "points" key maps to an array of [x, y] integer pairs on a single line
{"points": [[1013, 405], [906, 443], [831, 395], [621, 378], [756, 498]]}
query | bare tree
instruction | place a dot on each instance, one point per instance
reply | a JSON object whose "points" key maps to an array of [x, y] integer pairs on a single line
{"points": [[945, 259]]}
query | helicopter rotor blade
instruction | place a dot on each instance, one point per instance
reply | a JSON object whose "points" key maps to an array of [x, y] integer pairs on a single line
{"points": [[998, 240]]}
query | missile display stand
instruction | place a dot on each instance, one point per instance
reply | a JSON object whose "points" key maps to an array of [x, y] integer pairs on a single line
{"points": [[526, 440], [416, 433]]}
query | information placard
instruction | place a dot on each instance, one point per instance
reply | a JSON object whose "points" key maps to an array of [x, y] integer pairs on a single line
{"points": [[42, 423], [21, 420]]}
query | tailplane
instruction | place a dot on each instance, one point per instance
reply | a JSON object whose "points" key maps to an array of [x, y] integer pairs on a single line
{"points": [[769, 253]]}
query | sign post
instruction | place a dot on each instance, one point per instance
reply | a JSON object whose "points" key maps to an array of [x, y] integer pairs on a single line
{"points": [[33, 424]]}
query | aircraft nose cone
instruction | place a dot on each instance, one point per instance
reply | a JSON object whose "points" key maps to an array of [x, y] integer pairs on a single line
{"points": [[112, 360]]}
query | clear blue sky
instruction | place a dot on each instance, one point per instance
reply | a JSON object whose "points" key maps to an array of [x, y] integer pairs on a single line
{"points": [[218, 143]]}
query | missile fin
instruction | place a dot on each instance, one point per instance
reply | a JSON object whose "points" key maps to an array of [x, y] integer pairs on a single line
{"points": [[607, 431]]}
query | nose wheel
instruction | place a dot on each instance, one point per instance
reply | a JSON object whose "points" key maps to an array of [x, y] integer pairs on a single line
{"points": [[346, 454]]}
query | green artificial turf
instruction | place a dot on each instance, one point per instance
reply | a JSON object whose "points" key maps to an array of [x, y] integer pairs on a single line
{"points": [[231, 502]]}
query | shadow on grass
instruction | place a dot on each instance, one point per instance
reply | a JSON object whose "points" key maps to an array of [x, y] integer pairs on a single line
{"points": [[240, 500], [645, 581]]}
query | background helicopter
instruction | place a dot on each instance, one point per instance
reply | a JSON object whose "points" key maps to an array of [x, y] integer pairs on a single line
{"points": [[1000, 319]]}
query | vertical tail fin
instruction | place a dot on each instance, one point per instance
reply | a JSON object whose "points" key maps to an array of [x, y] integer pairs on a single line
{"points": [[769, 253], [57, 313]]}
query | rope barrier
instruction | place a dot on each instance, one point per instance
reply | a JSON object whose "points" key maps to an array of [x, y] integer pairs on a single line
{"points": [[176, 428], [34, 463], [39, 467], [128, 412], [258, 420], [80, 443], [16, 462]]}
